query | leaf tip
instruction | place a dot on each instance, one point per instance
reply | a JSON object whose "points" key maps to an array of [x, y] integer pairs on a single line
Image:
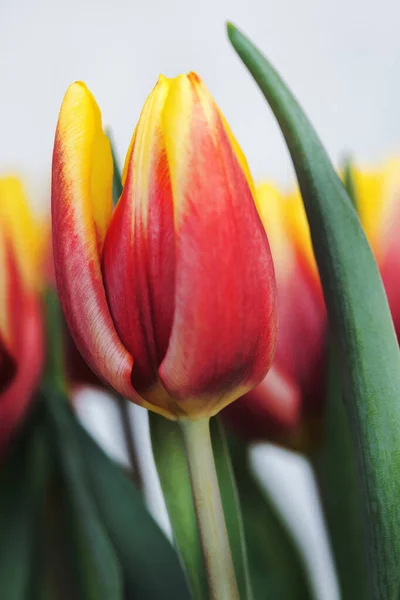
{"points": [[231, 31]]}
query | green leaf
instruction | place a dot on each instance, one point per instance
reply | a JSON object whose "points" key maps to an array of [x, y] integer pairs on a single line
{"points": [[117, 180], [170, 457], [16, 525], [277, 567], [339, 486], [54, 375], [65, 547], [348, 181], [150, 564], [112, 532], [359, 318], [100, 575], [23, 480]]}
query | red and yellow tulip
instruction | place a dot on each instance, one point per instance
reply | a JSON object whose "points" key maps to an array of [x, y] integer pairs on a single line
{"points": [[171, 298], [288, 405], [21, 332]]}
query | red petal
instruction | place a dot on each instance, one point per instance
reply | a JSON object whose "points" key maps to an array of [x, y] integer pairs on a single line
{"points": [[270, 411], [28, 344], [8, 367], [301, 351], [81, 207], [224, 331], [138, 266], [139, 252]]}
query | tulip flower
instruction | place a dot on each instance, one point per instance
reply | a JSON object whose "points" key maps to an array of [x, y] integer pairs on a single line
{"points": [[287, 405], [21, 333], [171, 298]]}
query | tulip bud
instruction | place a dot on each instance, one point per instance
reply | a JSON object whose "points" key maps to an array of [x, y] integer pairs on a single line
{"points": [[21, 335], [171, 299]]}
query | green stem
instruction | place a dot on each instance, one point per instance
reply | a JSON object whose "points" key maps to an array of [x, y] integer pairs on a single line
{"points": [[209, 511]]}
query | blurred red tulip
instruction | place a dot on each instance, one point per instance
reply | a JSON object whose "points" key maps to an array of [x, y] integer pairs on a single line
{"points": [[21, 325], [287, 407], [378, 203]]}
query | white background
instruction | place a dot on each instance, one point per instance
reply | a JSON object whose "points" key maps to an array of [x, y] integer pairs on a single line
{"points": [[341, 58]]}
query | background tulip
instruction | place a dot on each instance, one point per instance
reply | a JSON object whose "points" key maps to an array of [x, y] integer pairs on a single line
{"points": [[287, 406], [21, 335], [154, 294], [377, 195]]}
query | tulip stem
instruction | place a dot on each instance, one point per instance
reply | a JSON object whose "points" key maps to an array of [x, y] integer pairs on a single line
{"points": [[209, 511]]}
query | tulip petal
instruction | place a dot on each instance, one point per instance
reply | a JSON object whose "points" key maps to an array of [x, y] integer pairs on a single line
{"points": [[19, 226], [272, 410], [224, 329], [272, 207], [19, 377], [8, 367], [139, 252], [301, 351], [81, 211], [16, 397]]}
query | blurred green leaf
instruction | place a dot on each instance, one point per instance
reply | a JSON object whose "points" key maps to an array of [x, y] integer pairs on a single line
{"points": [[100, 573], [339, 484], [359, 318], [149, 562], [23, 479], [170, 457], [348, 181], [117, 180], [16, 525], [65, 547], [277, 566]]}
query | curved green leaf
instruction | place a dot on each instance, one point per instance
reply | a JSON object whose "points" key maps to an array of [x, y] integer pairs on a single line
{"points": [[117, 179], [150, 564], [100, 573], [339, 485], [337, 475], [348, 181], [360, 322], [16, 525]]}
